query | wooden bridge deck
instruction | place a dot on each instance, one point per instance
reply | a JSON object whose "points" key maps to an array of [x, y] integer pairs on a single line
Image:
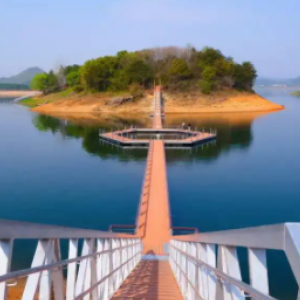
{"points": [[150, 280], [153, 279], [154, 218]]}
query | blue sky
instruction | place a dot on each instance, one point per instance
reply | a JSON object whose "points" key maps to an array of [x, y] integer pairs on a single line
{"points": [[46, 33]]}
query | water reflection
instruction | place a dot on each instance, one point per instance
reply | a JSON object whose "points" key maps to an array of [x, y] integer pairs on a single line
{"points": [[5, 100], [234, 131], [88, 130]]}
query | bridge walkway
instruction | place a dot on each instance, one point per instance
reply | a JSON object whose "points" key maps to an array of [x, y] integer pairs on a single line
{"points": [[154, 219], [153, 279], [150, 280]]}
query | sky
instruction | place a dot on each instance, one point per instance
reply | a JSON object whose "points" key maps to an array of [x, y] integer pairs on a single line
{"points": [[47, 33]]}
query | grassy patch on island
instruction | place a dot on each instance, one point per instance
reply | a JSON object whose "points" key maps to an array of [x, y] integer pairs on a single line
{"points": [[297, 93], [33, 102]]}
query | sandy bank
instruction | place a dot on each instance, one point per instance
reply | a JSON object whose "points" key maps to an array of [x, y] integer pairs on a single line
{"points": [[11, 94], [232, 101], [218, 103]]}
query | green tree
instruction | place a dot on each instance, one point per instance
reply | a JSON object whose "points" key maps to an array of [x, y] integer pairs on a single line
{"points": [[244, 76], [119, 82], [179, 69], [73, 78], [208, 56], [39, 82], [52, 83], [205, 86], [139, 72], [174, 67], [71, 68], [95, 74], [52, 80], [208, 79], [209, 73]]}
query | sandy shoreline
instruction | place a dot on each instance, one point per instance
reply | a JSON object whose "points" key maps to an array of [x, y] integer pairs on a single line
{"points": [[12, 94], [173, 104], [219, 103]]}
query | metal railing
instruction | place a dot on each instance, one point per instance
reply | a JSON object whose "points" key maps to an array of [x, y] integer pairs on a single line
{"points": [[105, 261], [206, 266], [146, 183]]}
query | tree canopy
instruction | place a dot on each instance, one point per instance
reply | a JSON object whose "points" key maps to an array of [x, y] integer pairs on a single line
{"points": [[39, 82], [176, 68]]}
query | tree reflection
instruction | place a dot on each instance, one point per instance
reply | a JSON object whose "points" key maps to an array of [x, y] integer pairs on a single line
{"points": [[91, 142], [232, 134]]}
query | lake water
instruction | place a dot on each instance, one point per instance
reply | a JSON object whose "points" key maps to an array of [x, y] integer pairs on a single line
{"points": [[58, 172]]}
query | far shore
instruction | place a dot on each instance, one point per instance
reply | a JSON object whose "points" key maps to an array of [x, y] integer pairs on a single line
{"points": [[12, 94], [174, 103]]}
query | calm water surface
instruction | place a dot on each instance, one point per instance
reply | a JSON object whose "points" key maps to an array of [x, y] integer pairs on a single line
{"points": [[57, 171]]}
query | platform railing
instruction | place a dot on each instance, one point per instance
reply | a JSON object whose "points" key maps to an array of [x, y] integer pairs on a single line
{"points": [[206, 266], [104, 262]]}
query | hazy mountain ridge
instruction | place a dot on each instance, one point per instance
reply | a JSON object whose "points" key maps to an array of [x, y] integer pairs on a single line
{"points": [[277, 81], [24, 77]]}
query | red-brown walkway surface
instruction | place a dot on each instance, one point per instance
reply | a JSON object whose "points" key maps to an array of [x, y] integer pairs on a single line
{"points": [[154, 218], [152, 279]]}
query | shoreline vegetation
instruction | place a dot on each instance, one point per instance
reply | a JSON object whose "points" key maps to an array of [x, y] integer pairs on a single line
{"points": [[193, 81]]}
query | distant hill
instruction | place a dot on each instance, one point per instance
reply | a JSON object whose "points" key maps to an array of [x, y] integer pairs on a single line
{"points": [[24, 77], [277, 81]]}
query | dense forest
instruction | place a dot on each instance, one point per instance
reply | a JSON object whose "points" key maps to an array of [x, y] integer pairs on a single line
{"points": [[178, 69]]}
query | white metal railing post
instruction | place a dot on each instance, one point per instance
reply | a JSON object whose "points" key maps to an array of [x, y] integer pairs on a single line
{"points": [[56, 274], [102, 266], [106, 268], [203, 272], [194, 273], [233, 269], [124, 258], [258, 269], [110, 268], [71, 272], [46, 277], [184, 268], [94, 275], [43, 250], [201, 276]]}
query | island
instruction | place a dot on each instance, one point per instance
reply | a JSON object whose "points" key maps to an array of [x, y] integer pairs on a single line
{"points": [[192, 81]]}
